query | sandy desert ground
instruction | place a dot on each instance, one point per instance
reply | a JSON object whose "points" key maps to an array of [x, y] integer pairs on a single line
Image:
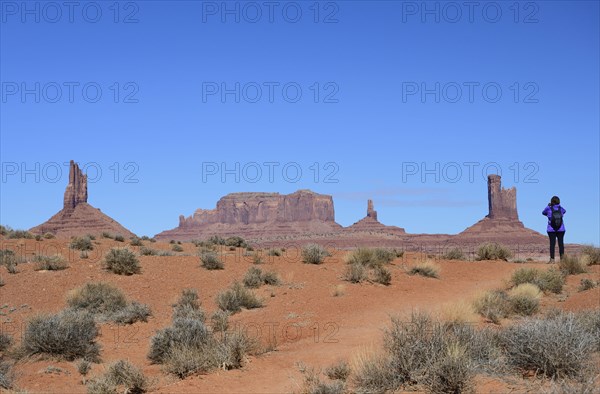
{"points": [[317, 318]]}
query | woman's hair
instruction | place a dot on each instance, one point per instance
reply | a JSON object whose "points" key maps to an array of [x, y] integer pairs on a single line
{"points": [[554, 200]]}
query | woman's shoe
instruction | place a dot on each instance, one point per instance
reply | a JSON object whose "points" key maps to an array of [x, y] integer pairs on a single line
{"points": [[551, 261]]}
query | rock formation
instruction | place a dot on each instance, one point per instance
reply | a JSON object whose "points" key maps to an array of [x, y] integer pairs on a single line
{"points": [[502, 202], [502, 220], [78, 217], [76, 191], [370, 223], [259, 214], [371, 213]]}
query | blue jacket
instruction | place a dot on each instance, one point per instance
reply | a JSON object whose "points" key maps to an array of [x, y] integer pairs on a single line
{"points": [[548, 213]]}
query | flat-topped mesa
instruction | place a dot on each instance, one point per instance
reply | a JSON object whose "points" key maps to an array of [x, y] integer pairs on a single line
{"points": [[263, 208], [502, 202], [76, 191]]}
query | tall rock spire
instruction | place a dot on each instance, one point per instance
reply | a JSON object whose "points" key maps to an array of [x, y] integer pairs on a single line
{"points": [[76, 191], [502, 202], [371, 212]]}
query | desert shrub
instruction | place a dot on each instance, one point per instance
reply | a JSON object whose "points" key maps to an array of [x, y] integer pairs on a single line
{"points": [[81, 243], [427, 269], [591, 254], [274, 252], [590, 321], [188, 347], [7, 377], [211, 261], [145, 238], [4, 230], [132, 313], [257, 260], [375, 374], [122, 261], [216, 240], [107, 302], [556, 346], [314, 254], [38, 237], [10, 260], [237, 297], [525, 299], [186, 333], [524, 275], [382, 275], [106, 234], [454, 254], [119, 238], [362, 256], [253, 278], [586, 284], [144, 251], [422, 351], [314, 385], [271, 278], [452, 372], [83, 367], [177, 248], [338, 371], [48, 235], [550, 280], [493, 305], [68, 334], [457, 313], [120, 376], [493, 251], [97, 298], [135, 241], [20, 234], [188, 306], [355, 273], [220, 321], [571, 265], [5, 341], [238, 242], [165, 253], [50, 263], [383, 255]]}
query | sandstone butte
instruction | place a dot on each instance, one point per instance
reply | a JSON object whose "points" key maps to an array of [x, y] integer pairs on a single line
{"points": [[300, 216], [77, 216]]}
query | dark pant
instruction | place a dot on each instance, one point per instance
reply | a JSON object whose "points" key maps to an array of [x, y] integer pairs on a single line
{"points": [[561, 246]]}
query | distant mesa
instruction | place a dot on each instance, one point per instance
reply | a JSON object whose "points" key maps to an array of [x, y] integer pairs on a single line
{"points": [[77, 216], [502, 221], [260, 215], [370, 223]]}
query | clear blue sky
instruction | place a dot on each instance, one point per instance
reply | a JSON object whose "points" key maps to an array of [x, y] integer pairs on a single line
{"points": [[366, 69]]}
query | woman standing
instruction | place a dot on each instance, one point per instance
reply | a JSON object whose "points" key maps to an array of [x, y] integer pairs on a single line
{"points": [[556, 227]]}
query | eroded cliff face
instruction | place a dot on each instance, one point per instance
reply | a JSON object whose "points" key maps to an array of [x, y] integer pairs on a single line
{"points": [[76, 191], [78, 217], [502, 202], [260, 215], [262, 208]]}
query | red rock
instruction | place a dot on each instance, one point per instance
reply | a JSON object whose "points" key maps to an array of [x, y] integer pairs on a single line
{"points": [[259, 215], [77, 216], [370, 224]]}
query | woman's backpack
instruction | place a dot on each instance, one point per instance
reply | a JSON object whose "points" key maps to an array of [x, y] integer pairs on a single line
{"points": [[556, 220]]}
